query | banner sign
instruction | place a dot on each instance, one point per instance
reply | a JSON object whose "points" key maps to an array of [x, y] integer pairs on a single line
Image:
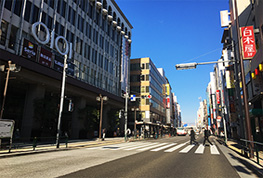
{"points": [[45, 57], [248, 42], [58, 63], [29, 50], [168, 102], [71, 69], [218, 96]]}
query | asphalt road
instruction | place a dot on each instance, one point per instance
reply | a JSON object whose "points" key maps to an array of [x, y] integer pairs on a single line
{"points": [[164, 164], [148, 158]]}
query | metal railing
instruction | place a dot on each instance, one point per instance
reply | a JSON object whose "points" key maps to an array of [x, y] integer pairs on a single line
{"points": [[257, 146], [32, 142]]}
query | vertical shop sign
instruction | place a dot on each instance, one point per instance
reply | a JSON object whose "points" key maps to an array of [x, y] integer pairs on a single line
{"points": [[248, 42], [45, 57], [218, 96], [168, 102], [29, 50]]}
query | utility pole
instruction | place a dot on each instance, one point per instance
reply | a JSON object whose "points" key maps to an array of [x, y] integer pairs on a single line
{"points": [[61, 99], [244, 87], [6, 83], [126, 95]]}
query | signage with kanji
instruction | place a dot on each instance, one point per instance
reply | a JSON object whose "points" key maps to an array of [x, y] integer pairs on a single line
{"points": [[248, 42]]}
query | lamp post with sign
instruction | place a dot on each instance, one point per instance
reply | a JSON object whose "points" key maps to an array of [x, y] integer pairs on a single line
{"points": [[13, 68], [101, 99], [193, 66], [67, 53]]}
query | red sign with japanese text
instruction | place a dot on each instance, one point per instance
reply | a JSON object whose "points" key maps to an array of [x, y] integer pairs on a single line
{"points": [[248, 42], [168, 102], [218, 96]]}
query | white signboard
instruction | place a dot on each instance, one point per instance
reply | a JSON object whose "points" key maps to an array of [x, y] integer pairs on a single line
{"points": [[6, 128]]}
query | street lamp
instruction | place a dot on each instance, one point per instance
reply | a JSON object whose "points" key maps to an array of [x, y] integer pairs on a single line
{"points": [[13, 68], [193, 66], [135, 109], [101, 99]]}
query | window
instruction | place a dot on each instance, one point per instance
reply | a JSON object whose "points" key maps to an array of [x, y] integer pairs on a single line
{"points": [[87, 51], [106, 61], [135, 67], [18, 7], [3, 33], [27, 10], [12, 39], [64, 7], [8, 5], [35, 12]]}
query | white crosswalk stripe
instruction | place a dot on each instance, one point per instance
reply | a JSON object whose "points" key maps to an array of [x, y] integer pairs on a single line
{"points": [[214, 150], [200, 149], [187, 149], [157, 146], [150, 147], [161, 148], [175, 148], [141, 146]]}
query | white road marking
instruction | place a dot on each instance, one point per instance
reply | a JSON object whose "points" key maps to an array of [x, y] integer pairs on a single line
{"points": [[176, 147], [161, 148], [141, 146], [200, 149], [214, 150], [148, 148], [187, 149]]}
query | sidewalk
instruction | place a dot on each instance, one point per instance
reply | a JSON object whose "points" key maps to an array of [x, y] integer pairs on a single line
{"points": [[72, 144], [253, 163]]}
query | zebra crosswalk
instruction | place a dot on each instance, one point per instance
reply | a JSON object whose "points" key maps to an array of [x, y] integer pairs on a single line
{"points": [[182, 148]]}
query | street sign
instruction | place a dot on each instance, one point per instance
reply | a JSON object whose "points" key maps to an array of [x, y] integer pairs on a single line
{"points": [[133, 97]]}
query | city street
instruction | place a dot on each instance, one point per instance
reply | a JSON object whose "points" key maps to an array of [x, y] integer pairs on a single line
{"points": [[167, 157]]}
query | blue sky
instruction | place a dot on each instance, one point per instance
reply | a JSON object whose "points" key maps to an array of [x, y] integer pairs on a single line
{"points": [[171, 32]]}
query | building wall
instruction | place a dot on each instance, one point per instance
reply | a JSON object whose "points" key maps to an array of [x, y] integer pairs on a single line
{"points": [[101, 40]]}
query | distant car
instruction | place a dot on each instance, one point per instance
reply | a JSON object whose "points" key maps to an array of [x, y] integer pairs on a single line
{"points": [[181, 131]]}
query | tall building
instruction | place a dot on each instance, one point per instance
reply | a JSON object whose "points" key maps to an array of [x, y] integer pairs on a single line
{"points": [[150, 86], [92, 36]]}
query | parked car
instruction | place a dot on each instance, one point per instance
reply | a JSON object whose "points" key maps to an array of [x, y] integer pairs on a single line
{"points": [[181, 131]]}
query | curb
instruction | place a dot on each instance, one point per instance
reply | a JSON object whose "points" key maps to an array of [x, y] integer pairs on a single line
{"points": [[75, 145]]}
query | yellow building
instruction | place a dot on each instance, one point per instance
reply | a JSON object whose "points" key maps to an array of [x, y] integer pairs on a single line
{"points": [[146, 82]]}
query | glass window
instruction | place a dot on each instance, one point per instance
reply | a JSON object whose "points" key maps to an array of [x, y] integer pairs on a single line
{"points": [[18, 7], [27, 10], [8, 5], [43, 19], [35, 16], [3, 32], [64, 8], [135, 66], [12, 39], [69, 13], [51, 3]]}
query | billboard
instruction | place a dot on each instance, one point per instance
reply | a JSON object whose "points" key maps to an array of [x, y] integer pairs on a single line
{"points": [[45, 57], [124, 63], [29, 50]]}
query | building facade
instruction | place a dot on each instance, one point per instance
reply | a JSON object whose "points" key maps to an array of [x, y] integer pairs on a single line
{"points": [[149, 85], [93, 39]]}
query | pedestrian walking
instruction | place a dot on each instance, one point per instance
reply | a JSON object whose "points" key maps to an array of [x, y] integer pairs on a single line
{"points": [[103, 134], [192, 137], [207, 133]]}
